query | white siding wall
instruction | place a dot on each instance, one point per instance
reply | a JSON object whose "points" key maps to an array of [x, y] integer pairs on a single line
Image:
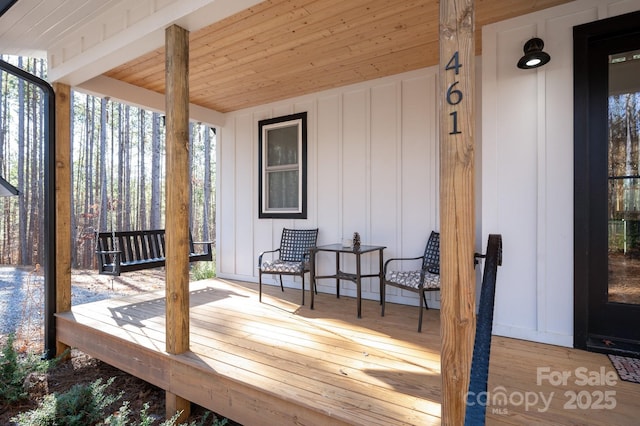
{"points": [[372, 168], [527, 163]]}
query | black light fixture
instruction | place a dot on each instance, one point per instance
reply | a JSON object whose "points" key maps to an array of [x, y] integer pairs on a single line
{"points": [[533, 57]]}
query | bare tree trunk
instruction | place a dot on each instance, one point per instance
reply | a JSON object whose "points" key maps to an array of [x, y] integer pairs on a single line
{"points": [[206, 184], [26, 184], [127, 169], [89, 227], [41, 175], [102, 166], [91, 189], [74, 203], [121, 148], [113, 197], [22, 210], [142, 203], [88, 213], [156, 195], [34, 182]]}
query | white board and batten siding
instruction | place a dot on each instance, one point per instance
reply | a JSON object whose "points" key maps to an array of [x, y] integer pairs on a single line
{"points": [[372, 168], [527, 163]]}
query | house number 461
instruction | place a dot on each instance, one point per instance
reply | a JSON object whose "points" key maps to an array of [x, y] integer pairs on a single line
{"points": [[454, 96]]}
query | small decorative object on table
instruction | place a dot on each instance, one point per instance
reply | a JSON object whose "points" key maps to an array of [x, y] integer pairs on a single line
{"points": [[356, 240]]}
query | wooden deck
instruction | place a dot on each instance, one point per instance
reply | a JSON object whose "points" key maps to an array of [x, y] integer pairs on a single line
{"points": [[281, 363]]}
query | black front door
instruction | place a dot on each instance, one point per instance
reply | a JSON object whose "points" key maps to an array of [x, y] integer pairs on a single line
{"points": [[607, 185]]}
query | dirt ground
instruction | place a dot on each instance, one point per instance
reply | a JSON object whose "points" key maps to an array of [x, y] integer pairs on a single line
{"points": [[82, 368]]}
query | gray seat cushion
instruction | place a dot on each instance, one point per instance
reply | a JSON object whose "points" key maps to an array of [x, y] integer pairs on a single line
{"points": [[411, 279], [283, 267]]}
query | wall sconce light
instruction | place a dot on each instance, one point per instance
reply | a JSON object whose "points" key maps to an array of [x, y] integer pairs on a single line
{"points": [[533, 57]]}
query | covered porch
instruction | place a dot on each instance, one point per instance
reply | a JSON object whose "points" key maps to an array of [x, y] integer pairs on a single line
{"points": [[282, 363], [372, 136]]}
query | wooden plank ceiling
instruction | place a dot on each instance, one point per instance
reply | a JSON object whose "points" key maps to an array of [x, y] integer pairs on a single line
{"points": [[284, 48]]}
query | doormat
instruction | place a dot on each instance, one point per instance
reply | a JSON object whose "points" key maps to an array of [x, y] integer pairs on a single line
{"points": [[628, 368]]}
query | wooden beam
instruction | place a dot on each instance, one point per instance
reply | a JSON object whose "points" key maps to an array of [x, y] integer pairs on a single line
{"points": [[175, 404], [457, 204], [178, 189], [144, 98], [63, 202]]}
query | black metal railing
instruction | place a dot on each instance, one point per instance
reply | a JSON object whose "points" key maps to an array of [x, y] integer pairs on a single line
{"points": [[477, 396]]}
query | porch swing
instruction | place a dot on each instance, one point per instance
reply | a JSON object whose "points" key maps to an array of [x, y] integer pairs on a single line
{"points": [[126, 251]]}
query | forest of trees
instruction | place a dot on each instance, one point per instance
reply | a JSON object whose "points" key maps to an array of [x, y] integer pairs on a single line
{"points": [[624, 156], [118, 173], [624, 173]]}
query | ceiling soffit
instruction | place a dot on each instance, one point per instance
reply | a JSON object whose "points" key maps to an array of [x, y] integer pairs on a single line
{"points": [[280, 49]]}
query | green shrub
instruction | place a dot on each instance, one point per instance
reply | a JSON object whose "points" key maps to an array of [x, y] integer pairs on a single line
{"points": [[11, 375], [82, 405], [203, 270], [14, 369], [122, 418]]}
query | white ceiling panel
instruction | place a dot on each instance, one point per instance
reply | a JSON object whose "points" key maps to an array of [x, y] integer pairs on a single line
{"points": [[31, 26]]}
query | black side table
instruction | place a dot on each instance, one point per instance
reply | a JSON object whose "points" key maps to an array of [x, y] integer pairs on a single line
{"points": [[340, 275]]}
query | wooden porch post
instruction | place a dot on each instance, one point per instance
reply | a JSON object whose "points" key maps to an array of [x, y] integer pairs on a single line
{"points": [[457, 224], [63, 201], [177, 213]]}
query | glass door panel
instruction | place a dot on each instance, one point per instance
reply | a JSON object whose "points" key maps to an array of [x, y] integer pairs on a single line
{"points": [[624, 178]]}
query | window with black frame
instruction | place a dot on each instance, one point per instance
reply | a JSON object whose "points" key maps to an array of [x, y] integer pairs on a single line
{"points": [[283, 167], [624, 177]]}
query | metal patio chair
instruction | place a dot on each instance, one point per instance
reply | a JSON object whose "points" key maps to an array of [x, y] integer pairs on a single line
{"points": [[293, 257], [427, 278]]}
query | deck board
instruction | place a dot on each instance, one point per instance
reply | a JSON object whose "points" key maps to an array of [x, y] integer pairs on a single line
{"points": [[282, 363]]}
